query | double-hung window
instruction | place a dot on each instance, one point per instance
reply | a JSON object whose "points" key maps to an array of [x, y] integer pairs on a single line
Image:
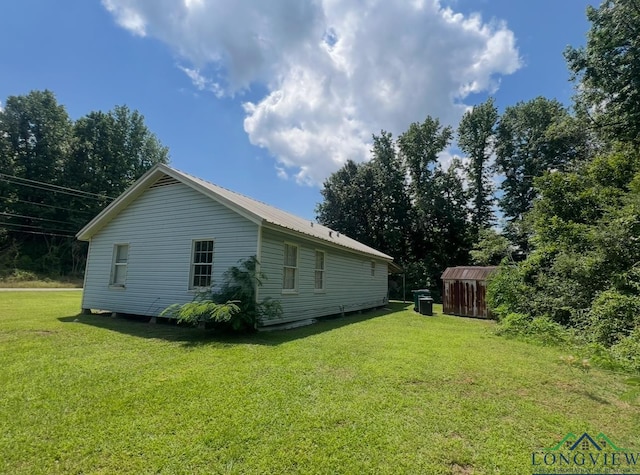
{"points": [[319, 271], [290, 268], [119, 269], [201, 263]]}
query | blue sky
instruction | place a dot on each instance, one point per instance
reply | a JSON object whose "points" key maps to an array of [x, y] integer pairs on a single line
{"points": [[268, 98]]}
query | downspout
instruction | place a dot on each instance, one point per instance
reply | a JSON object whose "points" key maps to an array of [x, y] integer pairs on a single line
{"points": [[86, 311], [259, 261]]}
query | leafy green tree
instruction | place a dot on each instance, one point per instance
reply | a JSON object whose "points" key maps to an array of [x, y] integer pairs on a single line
{"points": [[45, 159], [38, 133], [344, 203], [607, 70], [419, 148], [476, 134], [37, 137], [532, 137], [392, 205], [368, 201], [490, 249], [111, 150]]}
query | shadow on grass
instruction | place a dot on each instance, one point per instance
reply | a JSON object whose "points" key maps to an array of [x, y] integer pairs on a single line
{"points": [[169, 330]]}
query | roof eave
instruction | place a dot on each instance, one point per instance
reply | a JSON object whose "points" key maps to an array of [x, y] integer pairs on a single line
{"points": [[283, 229]]}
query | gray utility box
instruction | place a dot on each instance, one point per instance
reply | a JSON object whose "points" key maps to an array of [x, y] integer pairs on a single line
{"points": [[416, 296], [425, 305]]}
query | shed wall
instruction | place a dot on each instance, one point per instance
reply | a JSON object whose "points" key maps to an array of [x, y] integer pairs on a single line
{"points": [[160, 227], [465, 298], [349, 285]]}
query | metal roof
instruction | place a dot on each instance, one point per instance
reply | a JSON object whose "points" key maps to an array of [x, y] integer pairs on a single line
{"points": [[260, 213], [467, 273]]}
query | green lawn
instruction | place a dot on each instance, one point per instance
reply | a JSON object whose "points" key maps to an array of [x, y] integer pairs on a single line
{"points": [[383, 392]]}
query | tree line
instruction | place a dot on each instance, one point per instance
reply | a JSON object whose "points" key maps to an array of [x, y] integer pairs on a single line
{"points": [[429, 216], [568, 192], [57, 174]]}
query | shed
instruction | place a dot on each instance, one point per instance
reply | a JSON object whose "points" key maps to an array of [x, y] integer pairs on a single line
{"points": [[464, 291], [172, 235]]}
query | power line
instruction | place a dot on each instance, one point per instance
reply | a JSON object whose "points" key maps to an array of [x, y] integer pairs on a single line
{"points": [[98, 195], [16, 180], [36, 218], [34, 227], [47, 234], [9, 180], [16, 200]]}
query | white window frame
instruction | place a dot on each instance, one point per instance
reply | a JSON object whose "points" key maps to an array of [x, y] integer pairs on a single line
{"points": [[193, 263], [286, 266], [373, 269], [322, 270], [117, 264]]}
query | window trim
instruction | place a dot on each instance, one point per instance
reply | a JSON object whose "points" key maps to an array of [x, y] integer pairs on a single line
{"points": [[323, 270], [115, 264], [295, 268], [373, 269], [192, 264]]}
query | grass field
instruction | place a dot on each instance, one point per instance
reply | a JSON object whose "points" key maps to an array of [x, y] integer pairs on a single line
{"points": [[385, 392]]}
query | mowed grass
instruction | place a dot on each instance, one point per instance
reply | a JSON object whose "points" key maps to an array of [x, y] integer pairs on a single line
{"points": [[385, 392]]}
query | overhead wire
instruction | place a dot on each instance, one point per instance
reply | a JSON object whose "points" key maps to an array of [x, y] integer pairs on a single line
{"points": [[16, 200], [12, 215], [58, 188], [34, 227], [47, 234]]}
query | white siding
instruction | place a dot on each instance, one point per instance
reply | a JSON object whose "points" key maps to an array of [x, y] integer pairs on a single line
{"points": [[159, 227], [349, 285]]}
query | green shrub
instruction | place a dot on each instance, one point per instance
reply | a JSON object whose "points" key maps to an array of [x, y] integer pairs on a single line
{"points": [[627, 351], [600, 356], [201, 310], [613, 316], [18, 275], [514, 324], [233, 305], [506, 292], [539, 329]]}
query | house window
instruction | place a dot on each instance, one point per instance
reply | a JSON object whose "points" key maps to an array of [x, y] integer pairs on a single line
{"points": [[202, 264], [119, 270], [319, 271], [290, 267], [373, 269]]}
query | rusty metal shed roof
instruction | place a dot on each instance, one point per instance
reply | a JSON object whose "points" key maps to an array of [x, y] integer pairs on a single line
{"points": [[467, 273]]}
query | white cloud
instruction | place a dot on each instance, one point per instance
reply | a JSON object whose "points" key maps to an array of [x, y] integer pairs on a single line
{"points": [[201, 82], [336, 71]]}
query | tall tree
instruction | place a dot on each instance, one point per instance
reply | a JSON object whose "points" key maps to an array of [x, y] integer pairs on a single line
{"points": [[419, 148], [532, 137], [607, 70], [368, 201], [342, 206], [37, 136], [45, 159], [111, 150], [476, 139], [392, 205]]}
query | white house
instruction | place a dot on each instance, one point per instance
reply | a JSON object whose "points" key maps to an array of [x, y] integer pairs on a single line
{"points": [[172, 234]]}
